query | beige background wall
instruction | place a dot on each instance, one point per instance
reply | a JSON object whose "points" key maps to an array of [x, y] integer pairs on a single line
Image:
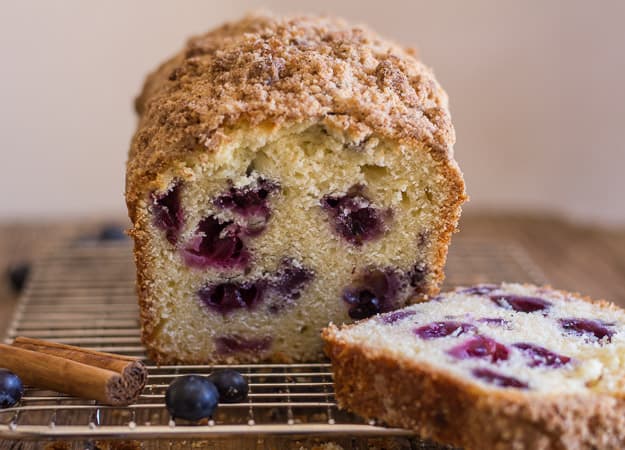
{"points": [[537, 93]]}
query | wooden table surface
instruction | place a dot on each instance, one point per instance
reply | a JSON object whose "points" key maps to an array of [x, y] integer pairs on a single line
{"points": [[583, 259]]}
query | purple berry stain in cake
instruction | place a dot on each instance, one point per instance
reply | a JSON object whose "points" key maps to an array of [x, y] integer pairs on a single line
{"points": [[216, 244], [365, 304], [520, 303], [541, 357], [290, 278], [480, 347], [437, 330], [250, 202], [588, 327], [494, 321], [227, 345], [479, 289], [373, 293], [355, 218], [167, 213], [497, 379], [288, 283], [416, 276], [229, 296], [396, 316], [247, 200], [277, 291]]}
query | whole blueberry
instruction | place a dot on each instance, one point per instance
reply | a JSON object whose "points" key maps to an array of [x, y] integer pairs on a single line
{"points": [[17, 275], [367, 304], [112, 233], [191, 397], [11, 389], [231, 385]]}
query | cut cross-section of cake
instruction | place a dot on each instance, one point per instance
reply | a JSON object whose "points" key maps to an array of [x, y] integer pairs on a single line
{"points": [[286, 172], [490, 367]]}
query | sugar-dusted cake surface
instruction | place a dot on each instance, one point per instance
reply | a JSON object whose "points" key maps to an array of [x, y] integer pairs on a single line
{"points": [[490, 366], [286, 172]]}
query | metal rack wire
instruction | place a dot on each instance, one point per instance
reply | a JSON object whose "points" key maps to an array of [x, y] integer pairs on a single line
{"points": [[83, 294]]}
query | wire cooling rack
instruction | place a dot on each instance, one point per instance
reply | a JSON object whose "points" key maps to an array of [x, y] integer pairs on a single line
{"points": [[83, 294]]}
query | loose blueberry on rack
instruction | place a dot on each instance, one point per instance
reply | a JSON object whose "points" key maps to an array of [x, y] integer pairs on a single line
{"points": [[18, 275], [11, 389], [191, 397], [112, 233], [231, 385]]}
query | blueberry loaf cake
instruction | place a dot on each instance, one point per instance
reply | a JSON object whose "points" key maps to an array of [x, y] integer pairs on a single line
{"points": [[490, 367], [285, 173]]}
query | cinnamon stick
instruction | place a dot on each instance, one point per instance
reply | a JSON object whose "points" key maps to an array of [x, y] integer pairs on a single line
{"points": [[108, 378]]}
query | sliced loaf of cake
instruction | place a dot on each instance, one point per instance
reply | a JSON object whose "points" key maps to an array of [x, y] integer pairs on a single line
{"points": [[490, 367]]}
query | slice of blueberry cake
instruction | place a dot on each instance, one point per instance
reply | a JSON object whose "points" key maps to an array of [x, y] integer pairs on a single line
{"points": [[490, 367], [286, 172]]}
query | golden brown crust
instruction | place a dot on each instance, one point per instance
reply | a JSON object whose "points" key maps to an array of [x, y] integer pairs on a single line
{"points": [[282, 71], [274, 73], [445, 408]]}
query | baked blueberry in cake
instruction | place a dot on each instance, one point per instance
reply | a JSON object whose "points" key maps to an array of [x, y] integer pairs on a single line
{"points": [[285, 173], [490, 367]]}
